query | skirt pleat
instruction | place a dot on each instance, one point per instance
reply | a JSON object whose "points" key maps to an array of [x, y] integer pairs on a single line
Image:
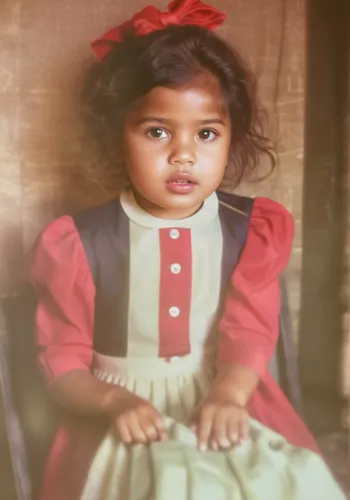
{"points": [[174, 387]]}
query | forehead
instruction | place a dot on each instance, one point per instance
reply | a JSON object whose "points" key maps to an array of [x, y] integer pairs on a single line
{"points": [[192, 103]]}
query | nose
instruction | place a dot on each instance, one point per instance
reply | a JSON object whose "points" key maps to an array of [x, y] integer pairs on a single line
{"points": [[182, 153]]}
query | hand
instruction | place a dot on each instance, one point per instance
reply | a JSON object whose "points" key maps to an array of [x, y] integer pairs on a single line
{"points": [[137, 421], [220, 424]]}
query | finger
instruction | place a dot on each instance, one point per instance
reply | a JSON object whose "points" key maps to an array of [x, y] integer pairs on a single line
{"points": [[159, 425], [123, 432], [213, 445], [233, 431], [162, 435], [156, 422], [193, 428], [149, 429], [220, 430], [137, 434], [204, 429]]}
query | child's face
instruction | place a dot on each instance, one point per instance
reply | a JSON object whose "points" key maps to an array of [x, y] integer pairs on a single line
{"points": [[175, 147]]}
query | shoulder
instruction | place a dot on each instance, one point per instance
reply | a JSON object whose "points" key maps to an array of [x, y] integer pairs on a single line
{"points": [[60, 247], [70, 227], [263, 216], [97, 218], [66, 243], [265, 208], [241, 204], [57, 247], [272, 221], [269, 242], [57, 232]]}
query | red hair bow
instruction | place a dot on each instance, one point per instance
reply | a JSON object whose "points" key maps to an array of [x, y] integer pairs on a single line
{"points": [[150, 19]]}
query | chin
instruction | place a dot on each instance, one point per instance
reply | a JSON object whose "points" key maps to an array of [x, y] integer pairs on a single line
{"points": [[179, 201], [169, 202]]}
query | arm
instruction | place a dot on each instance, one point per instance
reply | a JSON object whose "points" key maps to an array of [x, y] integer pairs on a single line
{"points": [[249, 326], [235, 383], [64, 320], [81, 392], [248, 335], [64, 330]]}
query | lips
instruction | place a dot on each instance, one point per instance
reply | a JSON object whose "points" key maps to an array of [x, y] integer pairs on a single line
{"points": [[182, 178], [181, 183]]}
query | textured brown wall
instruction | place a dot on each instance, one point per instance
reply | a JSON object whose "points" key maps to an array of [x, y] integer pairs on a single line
{"points": [[44, 48]]}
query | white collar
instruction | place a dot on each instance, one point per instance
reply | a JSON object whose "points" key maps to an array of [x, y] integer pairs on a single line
{"points": [[204, 215]]}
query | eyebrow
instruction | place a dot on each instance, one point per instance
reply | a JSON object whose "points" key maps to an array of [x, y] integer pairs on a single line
{"points": [[165, 121]]}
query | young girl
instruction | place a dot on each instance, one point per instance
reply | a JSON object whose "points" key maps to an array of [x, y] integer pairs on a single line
{"points": [[164, 302]]}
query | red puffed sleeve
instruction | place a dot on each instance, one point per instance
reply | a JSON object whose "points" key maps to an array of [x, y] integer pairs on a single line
{"points": [[249, 326], [60, 273]]}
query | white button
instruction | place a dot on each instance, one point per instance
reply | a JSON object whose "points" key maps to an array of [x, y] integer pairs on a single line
{"points": [[175, 268], [174, 234], [174, 312]]}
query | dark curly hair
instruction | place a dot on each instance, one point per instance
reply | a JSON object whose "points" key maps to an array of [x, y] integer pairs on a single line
{"points": [[173, 57]]}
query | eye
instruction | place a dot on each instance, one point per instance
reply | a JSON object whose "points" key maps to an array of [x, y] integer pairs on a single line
{"points": [[157, 133], [207, 135]]}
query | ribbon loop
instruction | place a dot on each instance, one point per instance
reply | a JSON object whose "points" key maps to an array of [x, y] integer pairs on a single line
{"points": [[149, 19]]}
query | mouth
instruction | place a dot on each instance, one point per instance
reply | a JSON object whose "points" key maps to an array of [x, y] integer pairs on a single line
{"points": [[181, 183], [182, 179]]}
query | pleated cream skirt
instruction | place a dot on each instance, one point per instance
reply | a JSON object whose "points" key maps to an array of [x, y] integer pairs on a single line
{"points": [[173, 386], [266, 467]]}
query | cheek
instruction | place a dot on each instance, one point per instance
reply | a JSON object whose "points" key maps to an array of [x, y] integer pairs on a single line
{"points": [[141, 159], [217, 154], [134, 152], [143, 162]]}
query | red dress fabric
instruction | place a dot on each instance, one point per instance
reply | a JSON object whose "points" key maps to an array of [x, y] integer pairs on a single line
{"points": [[248, 328]]}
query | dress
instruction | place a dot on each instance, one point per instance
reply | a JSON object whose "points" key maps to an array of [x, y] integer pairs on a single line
{"points": [[165, 260]]}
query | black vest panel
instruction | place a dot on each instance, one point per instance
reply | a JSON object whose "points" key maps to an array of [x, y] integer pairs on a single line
{"points": [[104, 232]]}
